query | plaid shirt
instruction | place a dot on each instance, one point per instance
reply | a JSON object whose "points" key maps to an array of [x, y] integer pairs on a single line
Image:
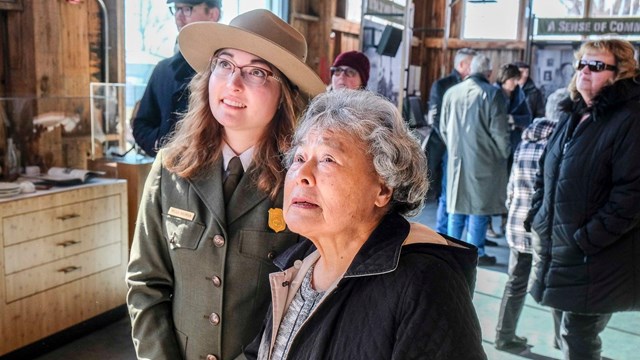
{"points": [[521, 181]]}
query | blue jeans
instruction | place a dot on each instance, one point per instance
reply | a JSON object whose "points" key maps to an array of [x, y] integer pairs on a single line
{"points": [[476, 229], [442, 217]]}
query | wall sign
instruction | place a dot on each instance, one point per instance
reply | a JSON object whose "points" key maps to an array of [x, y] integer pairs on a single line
{"points": [[593, 26]]}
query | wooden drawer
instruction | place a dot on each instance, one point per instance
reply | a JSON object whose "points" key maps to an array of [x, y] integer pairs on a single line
{"points": [[47, 249], [33, 225], [47, 276]]}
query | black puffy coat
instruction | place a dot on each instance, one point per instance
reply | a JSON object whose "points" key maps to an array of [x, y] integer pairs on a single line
{"points": [[394, 302], [587, 207]]}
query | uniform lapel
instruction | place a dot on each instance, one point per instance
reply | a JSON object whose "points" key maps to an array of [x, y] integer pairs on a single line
{"points": [[209, 188], [246, 197]]}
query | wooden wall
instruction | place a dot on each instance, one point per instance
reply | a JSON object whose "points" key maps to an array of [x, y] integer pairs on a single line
{"points": [[326, 30], [439, 28], [53, 49]]}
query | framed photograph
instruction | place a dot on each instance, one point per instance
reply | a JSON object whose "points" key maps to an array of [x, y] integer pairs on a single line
{"points": [[547, 76], [550, 62]]}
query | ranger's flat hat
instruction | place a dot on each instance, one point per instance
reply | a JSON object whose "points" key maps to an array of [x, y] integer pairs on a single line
{"points": [[259, 32]]}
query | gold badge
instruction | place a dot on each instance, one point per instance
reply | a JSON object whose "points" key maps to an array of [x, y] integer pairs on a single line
{"points": [[276, 220]]}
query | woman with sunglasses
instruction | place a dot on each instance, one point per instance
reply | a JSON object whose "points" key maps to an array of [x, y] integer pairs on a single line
{"points": [[585, 212], [210, 221]]}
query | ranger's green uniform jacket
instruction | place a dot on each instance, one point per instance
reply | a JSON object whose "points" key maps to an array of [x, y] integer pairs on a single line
{"points": [[198, 275]]}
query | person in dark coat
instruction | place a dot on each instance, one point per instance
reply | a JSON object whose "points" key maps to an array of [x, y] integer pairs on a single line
{"points": [[374, 286], [507, 80], [474, 126], [585, 215], [535, 97], [435, 147], [516, 101], [519, 191], [166, 96]]}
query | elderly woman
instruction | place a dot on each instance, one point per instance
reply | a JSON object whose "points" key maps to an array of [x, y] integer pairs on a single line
{"points": [[587, 200], [373, 285]]}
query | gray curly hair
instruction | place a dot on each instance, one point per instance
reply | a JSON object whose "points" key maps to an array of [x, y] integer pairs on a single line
{"points": [[397, 157]]}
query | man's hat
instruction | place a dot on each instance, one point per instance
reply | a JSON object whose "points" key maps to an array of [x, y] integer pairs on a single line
{"points": [[260, 33]]}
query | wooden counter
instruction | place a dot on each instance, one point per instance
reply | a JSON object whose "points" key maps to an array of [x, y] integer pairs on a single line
{"points": [[63, 258]]}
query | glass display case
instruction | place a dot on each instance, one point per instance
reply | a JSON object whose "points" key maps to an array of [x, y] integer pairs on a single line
{"points": [[64, 131]]}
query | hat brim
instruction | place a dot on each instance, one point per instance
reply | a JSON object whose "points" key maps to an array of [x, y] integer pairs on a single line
{"points": [[199, 41]]}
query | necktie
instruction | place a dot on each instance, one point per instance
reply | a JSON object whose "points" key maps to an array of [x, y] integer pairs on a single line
{"points": [[234, 175]]}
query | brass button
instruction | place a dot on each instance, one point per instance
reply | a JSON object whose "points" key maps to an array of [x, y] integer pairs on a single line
{"points": [[214, 319], [216, 281], [218, 241], [212, 357], [272, 255]]}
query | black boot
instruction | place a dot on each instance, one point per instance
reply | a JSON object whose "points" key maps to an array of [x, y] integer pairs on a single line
{"points": [[516, 343]]}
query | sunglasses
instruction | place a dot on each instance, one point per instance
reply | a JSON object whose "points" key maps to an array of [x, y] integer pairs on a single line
{"points": [[595, 65]]}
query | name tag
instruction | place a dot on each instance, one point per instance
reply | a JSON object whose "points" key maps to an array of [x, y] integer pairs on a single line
{"points": [[182, 214]]}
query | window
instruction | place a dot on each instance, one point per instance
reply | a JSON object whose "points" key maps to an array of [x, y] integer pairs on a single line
{"points": [[491, 20], [558, 9], [613, 8], [354, 10]]}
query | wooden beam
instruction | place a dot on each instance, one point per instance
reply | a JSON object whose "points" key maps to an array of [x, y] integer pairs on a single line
{"points": [[345, 26], [305, 17], [436, 43]]}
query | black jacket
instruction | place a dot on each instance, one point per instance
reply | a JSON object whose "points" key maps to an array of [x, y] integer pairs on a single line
{"points": [[535, 99], [587, 207], [394, 302], [165, 99], [436, 95], [435, 147]]}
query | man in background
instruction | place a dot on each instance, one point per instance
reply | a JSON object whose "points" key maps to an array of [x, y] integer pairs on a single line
{"points": [[535, 98], [435, 148], [474, 126], [166, 96]]}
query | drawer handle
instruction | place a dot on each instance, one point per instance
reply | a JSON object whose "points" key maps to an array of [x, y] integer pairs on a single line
{"points": [[69, 269], [69, 243], [68, 216]]}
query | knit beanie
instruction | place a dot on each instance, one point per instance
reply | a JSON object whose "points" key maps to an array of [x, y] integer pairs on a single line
{"points": [[357, 61]]}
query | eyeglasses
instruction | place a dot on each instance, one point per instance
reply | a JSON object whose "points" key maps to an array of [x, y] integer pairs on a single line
{"points": [[595, 65], [339, 70], [186, 10], [252, 75]]}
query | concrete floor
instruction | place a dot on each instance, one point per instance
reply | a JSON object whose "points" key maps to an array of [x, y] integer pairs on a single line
{"points": [[621, 339]]}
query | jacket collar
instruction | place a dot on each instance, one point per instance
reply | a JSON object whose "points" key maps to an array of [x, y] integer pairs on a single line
{"points": [[478, 77], [455, 73], [610, 97], [379, 254], [181, 69], [209, 188]]}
